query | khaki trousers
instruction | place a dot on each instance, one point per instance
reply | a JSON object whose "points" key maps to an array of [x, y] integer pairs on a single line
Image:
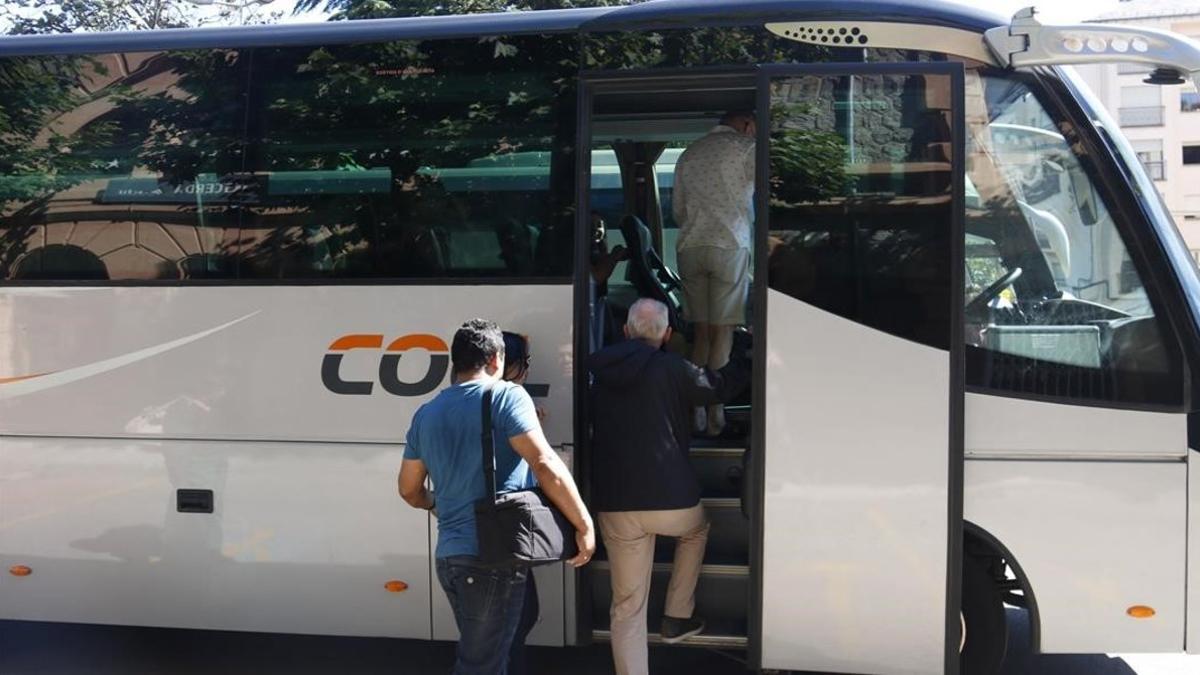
{"points": [[629, 539]]}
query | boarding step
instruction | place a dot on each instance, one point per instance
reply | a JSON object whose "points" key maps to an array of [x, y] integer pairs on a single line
{"points": [[722, 599], [728, 535], [706, 639], [718, 468]]}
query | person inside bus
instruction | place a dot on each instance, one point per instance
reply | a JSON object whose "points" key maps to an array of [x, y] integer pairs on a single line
{"points": [[713, 203], [642, 400], [443, 444], [604, 262]]}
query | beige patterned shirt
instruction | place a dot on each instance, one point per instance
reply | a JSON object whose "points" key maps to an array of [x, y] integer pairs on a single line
{"points": [[713, 197]]}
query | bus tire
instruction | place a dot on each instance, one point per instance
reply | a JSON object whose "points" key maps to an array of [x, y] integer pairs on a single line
{"points": [[984, 620]]}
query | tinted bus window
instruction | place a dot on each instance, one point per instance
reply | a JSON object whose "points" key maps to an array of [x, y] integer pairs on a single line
{"points": [[861, 201], [416, 160], [121, 166], [404, 160]]}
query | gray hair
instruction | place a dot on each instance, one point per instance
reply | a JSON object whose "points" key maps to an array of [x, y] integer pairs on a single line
{"points": [[647, 320], [732, 116]]}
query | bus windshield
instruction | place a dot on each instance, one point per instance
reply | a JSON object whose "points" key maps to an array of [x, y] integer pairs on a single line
{"points": [[1049, 278]]}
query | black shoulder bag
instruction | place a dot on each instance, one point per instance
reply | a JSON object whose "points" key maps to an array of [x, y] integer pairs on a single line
{"points": [[520, 528]]}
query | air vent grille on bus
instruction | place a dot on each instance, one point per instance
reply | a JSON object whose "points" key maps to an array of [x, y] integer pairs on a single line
{"points": [[844, 36], [885, 35]]}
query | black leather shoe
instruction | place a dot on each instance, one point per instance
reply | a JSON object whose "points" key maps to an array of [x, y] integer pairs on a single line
{"points": [[677, 630]]}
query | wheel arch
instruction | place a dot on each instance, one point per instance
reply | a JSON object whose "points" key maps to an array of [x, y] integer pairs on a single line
{"points": [[980, 542]]}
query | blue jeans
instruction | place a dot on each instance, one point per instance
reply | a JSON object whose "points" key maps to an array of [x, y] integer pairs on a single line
{"points": [[494, 610]]}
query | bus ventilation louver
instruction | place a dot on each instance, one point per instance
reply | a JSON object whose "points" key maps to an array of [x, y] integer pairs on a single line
{"points": [[841, 36], [884, 35]]}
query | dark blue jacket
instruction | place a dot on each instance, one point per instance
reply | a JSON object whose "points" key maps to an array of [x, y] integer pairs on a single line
{"points": [[642, 403]]}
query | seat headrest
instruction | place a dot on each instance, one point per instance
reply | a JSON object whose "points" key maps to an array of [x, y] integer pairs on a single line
{"points": [[635, 232]]}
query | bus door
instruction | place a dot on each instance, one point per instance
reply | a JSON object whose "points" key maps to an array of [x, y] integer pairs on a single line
{"points": [[859, 267]]}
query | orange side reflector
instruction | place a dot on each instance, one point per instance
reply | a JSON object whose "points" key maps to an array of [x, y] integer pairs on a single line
{"points": [[396, 586], [20, 570], [1140, 612]]}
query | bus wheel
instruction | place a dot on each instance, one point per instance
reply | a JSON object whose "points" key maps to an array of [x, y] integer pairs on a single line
{"points": [[985, 625]]}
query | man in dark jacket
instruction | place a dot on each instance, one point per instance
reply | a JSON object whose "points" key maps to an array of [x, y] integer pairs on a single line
{"points": [[643, 399]]}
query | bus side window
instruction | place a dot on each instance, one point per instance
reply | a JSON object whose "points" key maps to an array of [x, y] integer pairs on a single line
{"points": [[860, 206], [427, 169], [1055, 306], [385, 160], [138, 186]]}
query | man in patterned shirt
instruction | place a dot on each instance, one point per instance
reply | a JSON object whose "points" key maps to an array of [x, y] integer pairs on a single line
{"points": [[713, 204]]}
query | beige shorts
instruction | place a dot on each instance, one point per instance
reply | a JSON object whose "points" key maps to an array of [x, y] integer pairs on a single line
{"points": [[716, 284]]}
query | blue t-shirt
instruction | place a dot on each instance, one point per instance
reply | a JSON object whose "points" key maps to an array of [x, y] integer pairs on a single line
{"points": [[445, 435]]}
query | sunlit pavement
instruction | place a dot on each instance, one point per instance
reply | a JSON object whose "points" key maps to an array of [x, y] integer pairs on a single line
{"points": [[1163, 665], [66, 649]]}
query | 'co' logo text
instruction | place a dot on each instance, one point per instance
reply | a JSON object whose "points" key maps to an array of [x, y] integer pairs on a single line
{"points": [[389, 363]]}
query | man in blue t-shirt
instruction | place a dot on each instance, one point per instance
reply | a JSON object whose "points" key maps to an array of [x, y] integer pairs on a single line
{"points": [[443, 444]]}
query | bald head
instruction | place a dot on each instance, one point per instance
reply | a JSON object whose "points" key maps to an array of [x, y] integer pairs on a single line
{"points": [[647, 321]]}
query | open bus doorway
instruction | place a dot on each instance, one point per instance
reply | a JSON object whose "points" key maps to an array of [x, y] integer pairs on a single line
{"points": [[637, 130], [859, 199]]}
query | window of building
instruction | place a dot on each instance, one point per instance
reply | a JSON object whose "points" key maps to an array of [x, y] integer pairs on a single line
{"points": [[1191, 154], [1141, 106], [1068, 314], [1150, 152], [401, 160], [1132, 69], [1189, 101]]}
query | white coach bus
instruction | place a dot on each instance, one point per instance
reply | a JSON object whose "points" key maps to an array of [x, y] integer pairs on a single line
{"points": [[232, 260]]}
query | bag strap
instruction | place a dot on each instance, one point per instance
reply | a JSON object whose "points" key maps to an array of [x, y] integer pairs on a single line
{"points": [[487, 442]]}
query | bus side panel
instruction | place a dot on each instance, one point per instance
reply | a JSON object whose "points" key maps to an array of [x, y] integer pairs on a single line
{"points": [[302, 537], [313, 363], [290, 404], [1094, 539], [1009, 428]]}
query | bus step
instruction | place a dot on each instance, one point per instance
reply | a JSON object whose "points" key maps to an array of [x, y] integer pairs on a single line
{"points": [[722, 597], [719, 470], [706, 570], [706, 639]]}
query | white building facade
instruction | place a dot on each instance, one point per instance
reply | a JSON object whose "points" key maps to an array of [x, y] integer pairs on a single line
{"points": [[1162, 122]]}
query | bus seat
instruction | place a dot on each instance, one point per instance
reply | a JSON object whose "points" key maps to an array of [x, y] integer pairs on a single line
{"points": [[649, 275]]}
